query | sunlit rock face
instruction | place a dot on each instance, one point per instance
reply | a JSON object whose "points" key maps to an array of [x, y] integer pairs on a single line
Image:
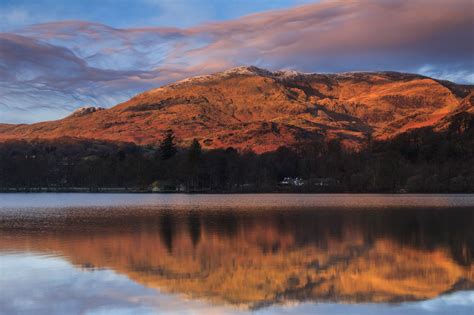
{"points": [[82, 111], [260, 257], [254, 109]]}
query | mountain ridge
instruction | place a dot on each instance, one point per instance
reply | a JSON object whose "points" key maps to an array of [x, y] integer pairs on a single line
{"points": [[250, 108]]}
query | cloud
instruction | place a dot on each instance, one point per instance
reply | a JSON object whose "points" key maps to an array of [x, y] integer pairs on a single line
{"points": [[40, 79], [64, 65], [350, 35]]}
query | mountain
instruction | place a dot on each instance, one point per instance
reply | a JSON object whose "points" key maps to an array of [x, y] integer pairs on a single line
{"points": [[255, 109]]}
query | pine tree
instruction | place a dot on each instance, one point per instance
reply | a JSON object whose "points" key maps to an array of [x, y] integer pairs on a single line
{"points": [[194, 162], [195, 152], [167, 145]]}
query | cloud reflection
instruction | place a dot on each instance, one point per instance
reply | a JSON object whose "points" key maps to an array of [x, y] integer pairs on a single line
{"points": [[57, 287]]}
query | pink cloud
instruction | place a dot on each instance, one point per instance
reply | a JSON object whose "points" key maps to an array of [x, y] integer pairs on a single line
{"points": [[82, 63]]}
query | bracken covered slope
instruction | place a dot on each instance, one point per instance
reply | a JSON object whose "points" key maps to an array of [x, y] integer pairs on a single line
{"points": [[254, 109]]}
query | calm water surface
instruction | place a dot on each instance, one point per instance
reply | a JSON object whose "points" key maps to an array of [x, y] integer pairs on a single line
{"points": [[236, 254]]}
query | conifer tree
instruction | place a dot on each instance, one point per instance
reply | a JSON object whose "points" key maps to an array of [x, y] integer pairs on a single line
{"points": [[168, 145], [194, 162]]}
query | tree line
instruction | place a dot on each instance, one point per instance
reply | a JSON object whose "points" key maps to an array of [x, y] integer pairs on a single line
{"points": [[422, 160]]}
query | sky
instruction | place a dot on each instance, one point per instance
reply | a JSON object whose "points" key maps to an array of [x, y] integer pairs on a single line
{"points": [[132, 13], [57, 56]]}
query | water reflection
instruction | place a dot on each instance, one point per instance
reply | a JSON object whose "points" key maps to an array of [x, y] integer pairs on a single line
{"points": [[258, 257]]}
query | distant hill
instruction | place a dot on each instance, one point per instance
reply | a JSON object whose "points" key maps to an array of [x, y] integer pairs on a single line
{"points": [[249, 108]]}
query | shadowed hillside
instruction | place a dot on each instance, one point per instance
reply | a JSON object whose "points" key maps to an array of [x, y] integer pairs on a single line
{"points": [[420, 160]]}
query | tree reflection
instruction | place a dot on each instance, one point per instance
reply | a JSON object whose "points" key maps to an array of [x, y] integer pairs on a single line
{"points": [[194, 226], [167, 231], [261, 256]]}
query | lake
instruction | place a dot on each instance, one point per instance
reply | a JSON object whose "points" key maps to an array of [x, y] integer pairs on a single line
{"points": [[236, 254]]}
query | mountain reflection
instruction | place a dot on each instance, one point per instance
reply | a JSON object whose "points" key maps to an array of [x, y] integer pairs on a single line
{"points": [[258, 257]]}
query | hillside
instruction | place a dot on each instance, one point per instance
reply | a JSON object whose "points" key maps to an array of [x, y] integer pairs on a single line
{"points": [[254, 109]]}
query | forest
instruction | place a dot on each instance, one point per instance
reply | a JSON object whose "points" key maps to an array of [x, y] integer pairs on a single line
{"points": [[419, 161]]}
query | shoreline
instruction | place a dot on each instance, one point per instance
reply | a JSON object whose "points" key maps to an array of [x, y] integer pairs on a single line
{"points": [[222, 192]]}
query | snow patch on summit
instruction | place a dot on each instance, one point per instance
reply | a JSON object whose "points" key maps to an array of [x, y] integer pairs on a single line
{"points": [[85, 110], [243, 70]]}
